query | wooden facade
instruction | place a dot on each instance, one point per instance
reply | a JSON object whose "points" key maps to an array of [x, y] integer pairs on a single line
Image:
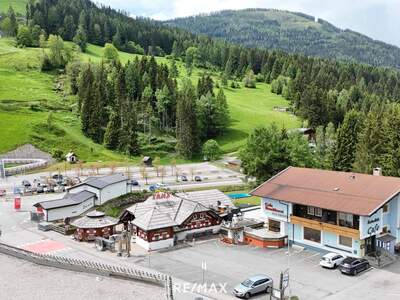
{"points": [[89, 234]]}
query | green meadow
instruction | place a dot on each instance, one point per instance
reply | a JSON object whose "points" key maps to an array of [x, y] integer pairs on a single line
{"points": [[27, 96]]}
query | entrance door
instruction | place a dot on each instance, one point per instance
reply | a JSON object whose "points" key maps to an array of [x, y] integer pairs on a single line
{"points": [[370, 244]]}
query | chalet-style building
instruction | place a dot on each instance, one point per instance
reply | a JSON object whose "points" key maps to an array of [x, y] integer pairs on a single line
{"points": [[164, 218], [94, 224], [350, 213]]}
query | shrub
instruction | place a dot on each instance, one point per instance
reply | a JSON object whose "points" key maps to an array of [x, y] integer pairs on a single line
{"points": [[211, 150]]}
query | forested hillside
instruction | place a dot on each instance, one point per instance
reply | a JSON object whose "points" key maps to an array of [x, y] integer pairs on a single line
{"points": [[291, 32], [179, 91]]}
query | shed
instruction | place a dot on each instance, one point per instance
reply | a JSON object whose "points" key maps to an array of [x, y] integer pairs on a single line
{"points": [[147, 161], [71, 157]]}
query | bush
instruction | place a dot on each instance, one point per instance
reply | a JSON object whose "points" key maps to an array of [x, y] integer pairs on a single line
{"points": [[249, 80], [57, 154], [211, 150]]}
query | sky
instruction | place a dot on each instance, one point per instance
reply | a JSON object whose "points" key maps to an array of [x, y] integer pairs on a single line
{"points": [[379, 19]]}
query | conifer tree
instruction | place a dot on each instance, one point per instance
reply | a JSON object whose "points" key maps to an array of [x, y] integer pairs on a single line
{"points": [[347, 138], [111, 135], [186, 127]]}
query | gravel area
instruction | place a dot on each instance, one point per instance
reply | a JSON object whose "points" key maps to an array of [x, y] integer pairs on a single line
{"points": [[20, 279]]}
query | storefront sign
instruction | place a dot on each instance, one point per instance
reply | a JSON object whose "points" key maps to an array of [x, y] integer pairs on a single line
{"points": [[371, 225], [275, 209]]}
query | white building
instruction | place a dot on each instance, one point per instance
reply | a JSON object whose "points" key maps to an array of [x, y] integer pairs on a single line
{"points": [[106, 187], [71, 205]]}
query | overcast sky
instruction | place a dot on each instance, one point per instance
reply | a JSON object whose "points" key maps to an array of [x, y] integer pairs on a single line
{"points": [[379, 19]]}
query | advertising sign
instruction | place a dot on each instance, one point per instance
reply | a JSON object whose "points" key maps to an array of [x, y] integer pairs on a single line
{"points": [[275, 209], [17, 203], [371, 225]]}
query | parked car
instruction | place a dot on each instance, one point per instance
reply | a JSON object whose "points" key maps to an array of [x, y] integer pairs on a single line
{"points": [[59, 189], [352, 265], [2, 193], [253, 285], [58, 178], [331, 260], [26, 183], [157, 186], [134, 182], [184, 178], [40, 189], [197, 178]]}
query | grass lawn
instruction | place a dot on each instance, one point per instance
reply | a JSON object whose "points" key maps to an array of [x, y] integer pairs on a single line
{"points": [[253, 200], [19, 6]]}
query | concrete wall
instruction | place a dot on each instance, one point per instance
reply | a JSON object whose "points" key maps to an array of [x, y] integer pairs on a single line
{"points": [[68, 211], [156, 245], [182, 235]]}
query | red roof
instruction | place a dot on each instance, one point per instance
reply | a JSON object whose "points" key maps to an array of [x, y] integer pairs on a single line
{"points": [[355, 193]]}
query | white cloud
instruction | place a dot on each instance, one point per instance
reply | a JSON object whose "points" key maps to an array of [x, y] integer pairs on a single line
{"points": [[376, 18]]}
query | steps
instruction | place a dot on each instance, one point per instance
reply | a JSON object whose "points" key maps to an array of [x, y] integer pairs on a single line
{"points": [[380, 261]]}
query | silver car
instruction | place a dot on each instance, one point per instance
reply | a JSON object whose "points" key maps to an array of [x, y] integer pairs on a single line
{"points": [[253, 285]]}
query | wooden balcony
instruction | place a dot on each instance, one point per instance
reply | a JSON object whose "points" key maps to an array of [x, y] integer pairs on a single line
{"points": [[340, 230]]}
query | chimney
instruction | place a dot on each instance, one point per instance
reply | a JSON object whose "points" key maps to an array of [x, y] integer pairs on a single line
{"points": [[377, 172]]}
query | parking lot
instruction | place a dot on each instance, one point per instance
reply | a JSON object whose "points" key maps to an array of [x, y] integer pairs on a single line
{"points": [[209, 174], [233, 264]]}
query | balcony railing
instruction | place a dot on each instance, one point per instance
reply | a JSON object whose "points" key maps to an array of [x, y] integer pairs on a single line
{"points": [[318, 225]]}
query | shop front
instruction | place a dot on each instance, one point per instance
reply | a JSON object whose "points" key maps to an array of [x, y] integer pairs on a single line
{"points": [[370, 227]]}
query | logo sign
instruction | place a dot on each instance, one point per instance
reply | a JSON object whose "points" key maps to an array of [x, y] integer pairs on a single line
{"points": [[371, 225], [275, 209], [161, 195]]}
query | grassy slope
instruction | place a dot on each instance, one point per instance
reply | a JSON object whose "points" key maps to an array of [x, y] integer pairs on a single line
{"points": [[21, 85], [18, 5]]}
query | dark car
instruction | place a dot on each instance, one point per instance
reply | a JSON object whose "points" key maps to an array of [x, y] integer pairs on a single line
{"points": [[352, 265], [197, 178], [26, 183], [134, 182], [57, 177]]}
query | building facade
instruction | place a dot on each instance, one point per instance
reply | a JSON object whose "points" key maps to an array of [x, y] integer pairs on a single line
{"points": [[349, 213]]}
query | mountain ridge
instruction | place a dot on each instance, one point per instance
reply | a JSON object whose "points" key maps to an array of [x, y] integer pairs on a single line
{"points": [[293, 32]]}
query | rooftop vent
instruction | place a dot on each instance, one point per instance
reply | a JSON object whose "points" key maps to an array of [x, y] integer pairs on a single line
{"points": [[336, 189]]}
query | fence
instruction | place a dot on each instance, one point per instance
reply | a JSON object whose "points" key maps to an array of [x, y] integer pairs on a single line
{"points": [[79, 265]]}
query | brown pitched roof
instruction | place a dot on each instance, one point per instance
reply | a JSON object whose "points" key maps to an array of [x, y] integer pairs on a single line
{"points": [[354, 193]]}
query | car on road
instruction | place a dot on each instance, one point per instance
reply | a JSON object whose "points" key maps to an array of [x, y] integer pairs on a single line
{"points": [[184, 178], [253, 285], [353, 265], [331, 260], [197, 178]]}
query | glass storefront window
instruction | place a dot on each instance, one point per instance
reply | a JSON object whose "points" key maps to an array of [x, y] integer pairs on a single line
{"points": [[345, 241], [312, 235]]}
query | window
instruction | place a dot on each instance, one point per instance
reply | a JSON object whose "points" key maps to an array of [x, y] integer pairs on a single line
{"points": [[312, 235], [310, 210], [345, 219], [385, 229], [345, 241], [314, 211], [274, 226], [318, 212], [386, 208]]}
